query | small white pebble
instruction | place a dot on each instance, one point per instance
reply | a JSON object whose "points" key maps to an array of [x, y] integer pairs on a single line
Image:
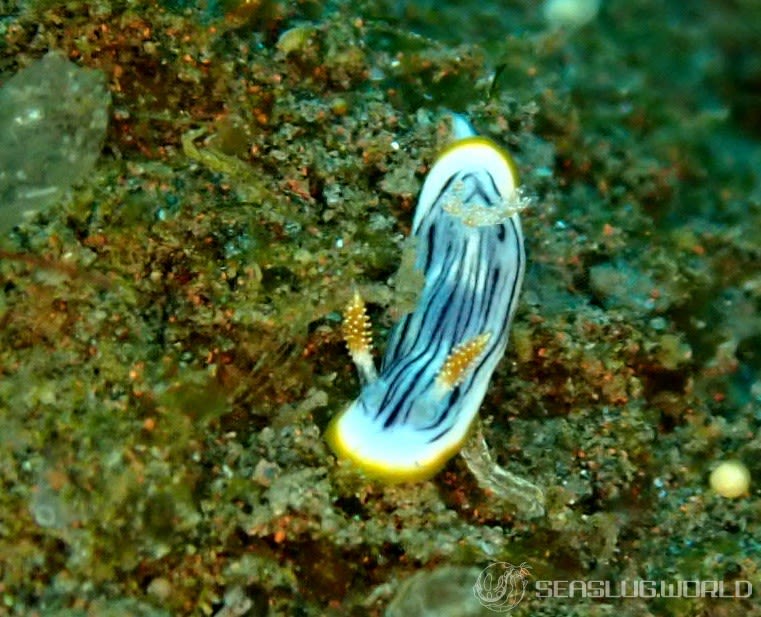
{"points": [[570, 13], [730, 479], [160, 588]]}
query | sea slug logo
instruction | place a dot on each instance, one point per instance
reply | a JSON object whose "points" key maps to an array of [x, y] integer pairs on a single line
{"points": [[501, 585]]}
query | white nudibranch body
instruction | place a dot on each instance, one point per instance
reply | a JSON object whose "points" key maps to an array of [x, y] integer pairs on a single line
{"points": [[415, 414]]}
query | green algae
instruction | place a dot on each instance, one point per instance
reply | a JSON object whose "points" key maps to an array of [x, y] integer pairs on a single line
{"points": [[170, 345]]}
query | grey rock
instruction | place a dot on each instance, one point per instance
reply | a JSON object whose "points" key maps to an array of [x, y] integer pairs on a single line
{"points": [[444, 592], [53, 121]]}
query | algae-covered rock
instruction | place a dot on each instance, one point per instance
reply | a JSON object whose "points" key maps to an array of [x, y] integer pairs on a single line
{"points": [[53, 120]]}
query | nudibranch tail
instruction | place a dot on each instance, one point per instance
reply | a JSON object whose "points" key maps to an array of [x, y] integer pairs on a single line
{"points": [[359, 341], [413, 416]]}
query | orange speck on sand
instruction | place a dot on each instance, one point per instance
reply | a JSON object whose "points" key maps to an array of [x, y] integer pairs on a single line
{"points": [[57, 479]]}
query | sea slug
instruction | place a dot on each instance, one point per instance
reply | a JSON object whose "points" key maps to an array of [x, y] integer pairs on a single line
{"points": [[410, 418]]}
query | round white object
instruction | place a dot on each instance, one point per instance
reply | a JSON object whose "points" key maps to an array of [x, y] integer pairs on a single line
{"points": [[570, 13], [730, 479]]}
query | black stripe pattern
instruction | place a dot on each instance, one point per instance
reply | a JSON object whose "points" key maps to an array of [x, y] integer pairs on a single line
{"points": [[472, 278], [469, 245]]}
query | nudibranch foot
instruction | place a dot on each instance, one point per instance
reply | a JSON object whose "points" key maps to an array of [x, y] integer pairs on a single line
{"points": [[415, 413], [527, 498]]}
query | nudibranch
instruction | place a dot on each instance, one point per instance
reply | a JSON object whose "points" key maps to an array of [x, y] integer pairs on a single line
{"points": [[414, 414]]}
